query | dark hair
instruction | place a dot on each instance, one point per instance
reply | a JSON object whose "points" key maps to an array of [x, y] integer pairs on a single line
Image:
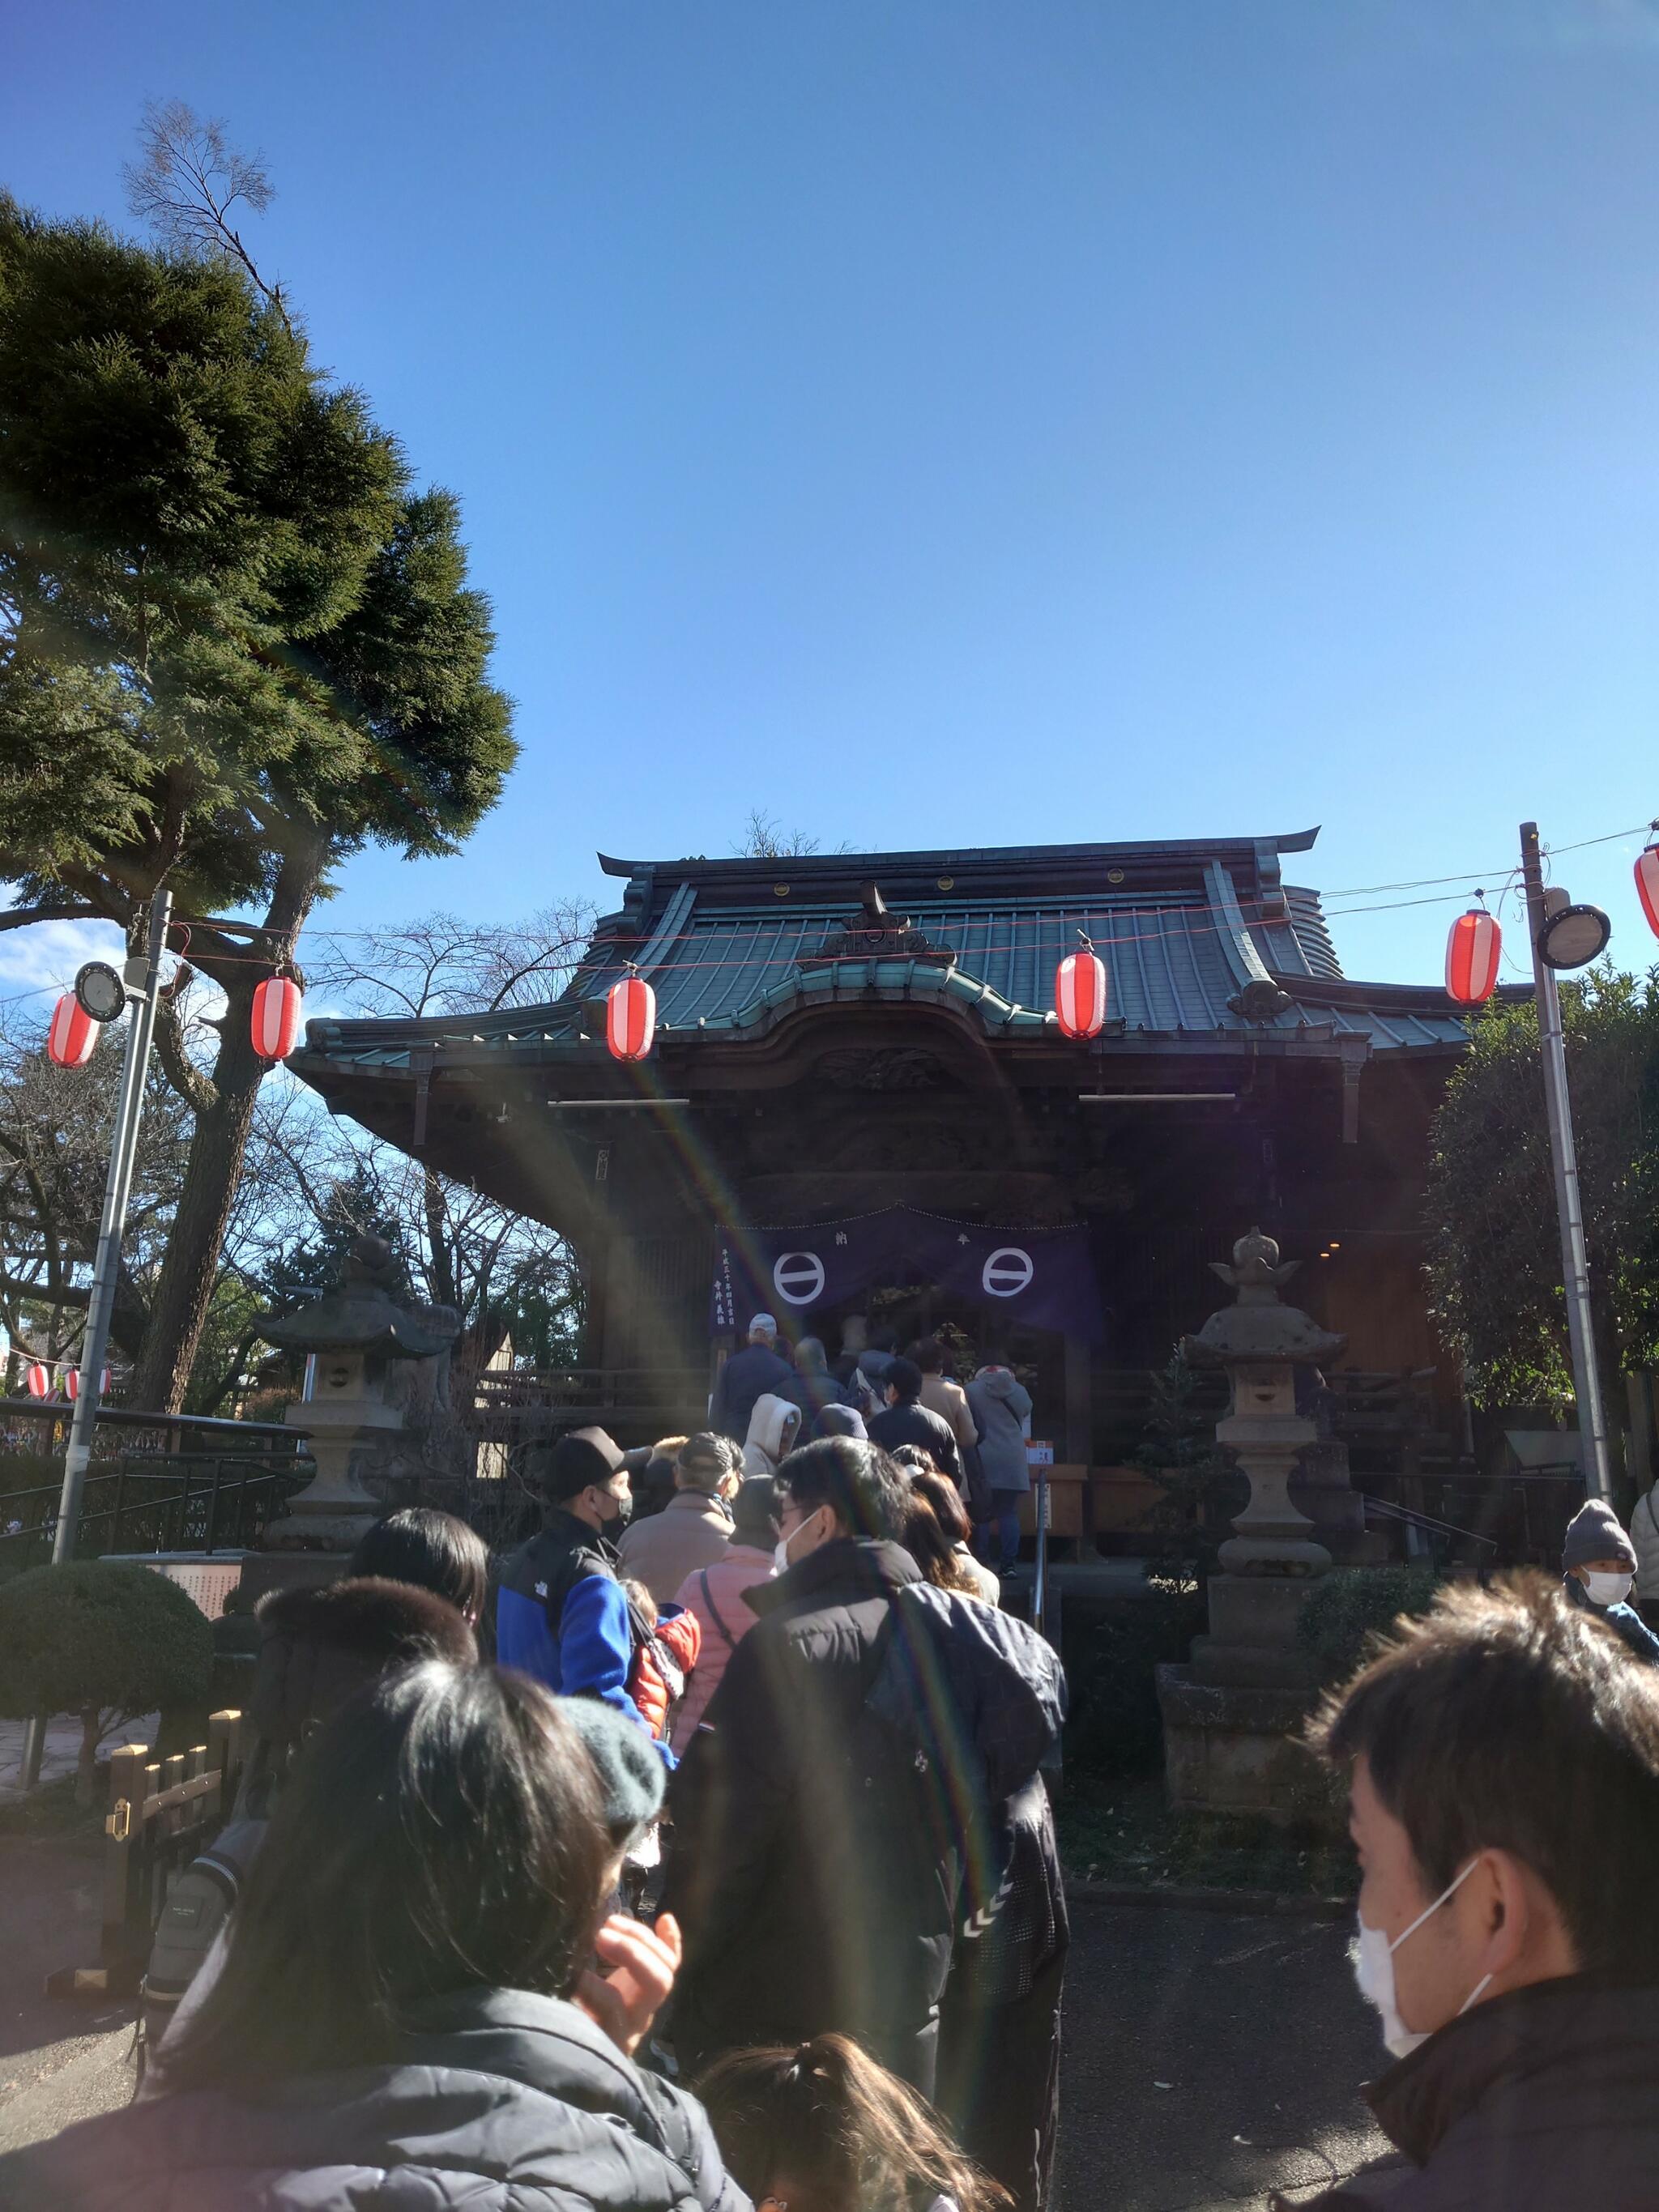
{"points": [[881, 1339], [810, 1356], [915, 1459], [929, 1355], [755, 1507], [945, 1499], [1509, 1719], [857, 1481], [827, 2119], [653, 1487], [443, 1832], [904, 1375], [706, 1453], [930, 1538], [435, 1551]]}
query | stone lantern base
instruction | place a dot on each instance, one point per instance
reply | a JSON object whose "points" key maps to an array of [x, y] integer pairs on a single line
{"points": [[1233, 1718], [1229, 1749]]}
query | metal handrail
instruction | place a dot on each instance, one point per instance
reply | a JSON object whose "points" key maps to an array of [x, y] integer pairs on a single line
{"points": [[134, 1417], [235, 1476]]}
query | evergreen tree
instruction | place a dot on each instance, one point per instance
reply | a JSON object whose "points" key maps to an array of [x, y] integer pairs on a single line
{"points": [[1494, 1246], [235, 646]]}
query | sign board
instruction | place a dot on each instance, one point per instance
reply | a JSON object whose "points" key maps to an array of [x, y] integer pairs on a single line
{"points": [[206, 1578], [1038, 1454]]}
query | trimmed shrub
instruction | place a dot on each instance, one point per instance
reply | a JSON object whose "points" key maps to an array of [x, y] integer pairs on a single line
{"points": [[1116, 1727], [1347, 1609], [101, 1640]]}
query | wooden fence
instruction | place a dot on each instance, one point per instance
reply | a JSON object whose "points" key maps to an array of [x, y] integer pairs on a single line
{"points": [[161, 1814]]}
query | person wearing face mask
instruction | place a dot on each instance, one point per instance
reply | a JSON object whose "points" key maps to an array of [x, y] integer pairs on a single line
{"points": [[1503, 1762], [1598, 1564], [809, 1878], [561, 1612]]}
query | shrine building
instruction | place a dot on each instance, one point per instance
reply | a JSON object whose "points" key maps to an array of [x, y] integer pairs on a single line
{"points": [[859, 1100]]}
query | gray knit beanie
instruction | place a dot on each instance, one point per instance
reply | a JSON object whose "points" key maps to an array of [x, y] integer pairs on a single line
{"points": [[1593, 1533], [629, 1764]]}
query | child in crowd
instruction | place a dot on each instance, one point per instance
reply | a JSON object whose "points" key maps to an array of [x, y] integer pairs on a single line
{"points": [[665, 1647], [826, 2129]]}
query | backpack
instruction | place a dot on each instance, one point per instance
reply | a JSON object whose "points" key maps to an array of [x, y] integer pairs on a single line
{"points": [[979, 1697], [663, 1657]]}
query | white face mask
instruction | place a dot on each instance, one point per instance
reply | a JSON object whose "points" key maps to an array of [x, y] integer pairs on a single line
{"points": [[1608, 1589], [1371, 1956], [780, 1559]]}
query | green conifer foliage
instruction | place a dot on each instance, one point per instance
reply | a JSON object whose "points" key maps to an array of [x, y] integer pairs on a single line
{"points": [[235, 646]]}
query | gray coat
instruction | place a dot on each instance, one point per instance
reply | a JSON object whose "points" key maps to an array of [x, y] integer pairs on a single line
{"points": [[503, 2102], [1001, 1406]]}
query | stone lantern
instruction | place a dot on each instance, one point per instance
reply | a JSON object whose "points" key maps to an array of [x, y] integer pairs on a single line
{"points": [[1230, 1715], [358, 1332]]}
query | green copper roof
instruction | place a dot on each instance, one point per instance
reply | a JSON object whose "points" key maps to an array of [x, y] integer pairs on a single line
{"points": [[1184, 927]]}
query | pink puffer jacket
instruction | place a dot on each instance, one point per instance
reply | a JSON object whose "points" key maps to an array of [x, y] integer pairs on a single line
{"points": [[715, 1596]]}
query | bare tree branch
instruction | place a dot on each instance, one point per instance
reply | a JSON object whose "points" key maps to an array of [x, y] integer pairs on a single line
{"points": [[186, 182]]}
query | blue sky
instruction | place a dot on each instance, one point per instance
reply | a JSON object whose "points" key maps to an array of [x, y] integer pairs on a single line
{"points": [[966, 422]]}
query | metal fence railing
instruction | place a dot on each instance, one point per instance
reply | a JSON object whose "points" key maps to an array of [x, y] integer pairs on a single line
{"points": [[155, 1483]]}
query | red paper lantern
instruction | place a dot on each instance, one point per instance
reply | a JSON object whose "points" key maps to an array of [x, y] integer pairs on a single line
{"points": [[73, 1037], [37, 1379], [1472, 952], [277, 1007], [73, 1382], [1647, 886], [630, 1017], [1081, 994]]}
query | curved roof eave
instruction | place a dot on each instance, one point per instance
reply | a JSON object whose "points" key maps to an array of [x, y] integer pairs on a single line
{"points": [[740, 868]]}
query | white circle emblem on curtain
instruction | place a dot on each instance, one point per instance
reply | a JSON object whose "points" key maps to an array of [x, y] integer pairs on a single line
{"points": [[1008, 1271], [798, 1277]]}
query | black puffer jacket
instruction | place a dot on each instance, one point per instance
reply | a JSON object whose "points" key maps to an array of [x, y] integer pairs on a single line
{"points": [[844, 1805], [910, 1422], [1544, 2098], [503, 2102]]}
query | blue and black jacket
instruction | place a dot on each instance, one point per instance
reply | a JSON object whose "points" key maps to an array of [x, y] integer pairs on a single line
{"points": [[562, 1616], [1623, 1619]]}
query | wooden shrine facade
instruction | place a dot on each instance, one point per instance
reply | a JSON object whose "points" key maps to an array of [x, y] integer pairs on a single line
{"points": [[839, 1033]]}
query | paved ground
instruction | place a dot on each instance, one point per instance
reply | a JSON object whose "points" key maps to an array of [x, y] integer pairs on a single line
{"points": [[60, 2059], [1209, 2058], [62, 1751]]}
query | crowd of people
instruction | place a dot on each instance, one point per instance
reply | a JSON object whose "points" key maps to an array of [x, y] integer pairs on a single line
{"points": [[732, 1879]]}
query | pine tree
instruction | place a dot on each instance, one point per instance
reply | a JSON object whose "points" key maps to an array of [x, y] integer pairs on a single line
{"points": [[235, 646]]}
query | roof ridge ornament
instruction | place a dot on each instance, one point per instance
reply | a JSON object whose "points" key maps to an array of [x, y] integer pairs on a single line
{"points": [[876, 933], [1261, 999]]}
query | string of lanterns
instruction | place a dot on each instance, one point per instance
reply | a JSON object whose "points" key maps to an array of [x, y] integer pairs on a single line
{"points": [[1474, 950], [1570, 936], [79, 1018], [40, 1381]]}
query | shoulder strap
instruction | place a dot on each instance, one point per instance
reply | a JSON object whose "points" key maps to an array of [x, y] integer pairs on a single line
{"points": [[730, 1641]]}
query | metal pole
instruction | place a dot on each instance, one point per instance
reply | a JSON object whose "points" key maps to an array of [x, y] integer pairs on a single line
{"points": [[1575, 1261], [106, 1268], [1040, 1576]]}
